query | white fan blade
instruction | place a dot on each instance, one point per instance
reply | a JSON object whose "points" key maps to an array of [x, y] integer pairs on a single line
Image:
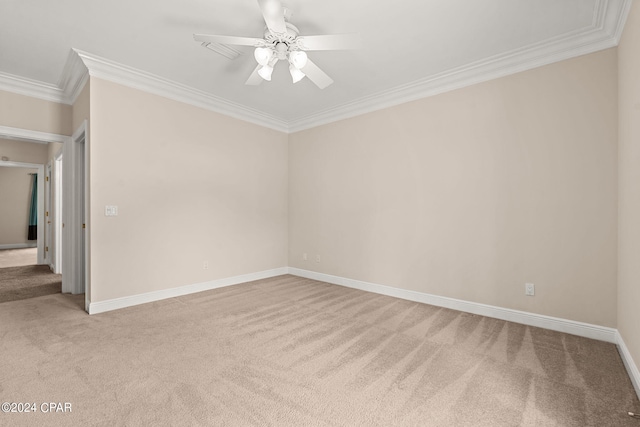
{"points": [[316, 75], [254, 79], [329, 42], [273, 13], [241, 41]]}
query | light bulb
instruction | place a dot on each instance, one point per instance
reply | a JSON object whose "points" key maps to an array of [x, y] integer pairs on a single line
{"points": [[298, 59], [263, 55], [265, 72], [296, 74]]}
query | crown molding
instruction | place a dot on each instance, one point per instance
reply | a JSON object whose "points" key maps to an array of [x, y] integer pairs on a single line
{"points": [[74, 76], [32, 88], [623, 13], [127, 76], [604, 32]]}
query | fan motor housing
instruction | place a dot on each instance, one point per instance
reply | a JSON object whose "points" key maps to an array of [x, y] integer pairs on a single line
{"points": [[282, 43]]}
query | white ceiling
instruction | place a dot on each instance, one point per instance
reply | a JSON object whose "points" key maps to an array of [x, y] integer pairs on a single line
{"points": [[411, 48]]}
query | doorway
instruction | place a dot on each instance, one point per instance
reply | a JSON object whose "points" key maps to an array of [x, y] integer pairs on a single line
{"points": [[75, 202], [66, 200], [24, 272]]}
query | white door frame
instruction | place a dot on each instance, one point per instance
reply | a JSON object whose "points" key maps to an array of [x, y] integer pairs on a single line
{"points": [[75, 194], [57, 212], [48, 217], [41, 218]]}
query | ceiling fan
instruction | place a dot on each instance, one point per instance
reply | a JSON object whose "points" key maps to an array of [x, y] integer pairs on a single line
{"points": [[282, 41]]}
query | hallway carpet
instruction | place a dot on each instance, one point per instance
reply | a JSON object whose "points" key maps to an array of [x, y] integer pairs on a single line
{"points": [[28, 281], [18, 257], [289, 351]]}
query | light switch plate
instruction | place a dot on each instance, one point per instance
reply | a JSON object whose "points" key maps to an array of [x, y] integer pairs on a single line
{"points": [[110, 210]]}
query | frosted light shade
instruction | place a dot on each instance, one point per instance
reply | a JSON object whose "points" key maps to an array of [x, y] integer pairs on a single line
{"points": [[263, 55], [298, 59], [296, 74]]}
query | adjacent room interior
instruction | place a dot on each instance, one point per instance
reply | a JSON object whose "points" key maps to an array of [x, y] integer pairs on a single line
{"points": [[458, 249], [22, 274]]}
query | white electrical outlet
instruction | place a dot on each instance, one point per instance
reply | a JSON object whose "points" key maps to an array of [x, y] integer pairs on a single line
{"points": [[317, 258], [529, 289], [304, 256], [205, 265]]}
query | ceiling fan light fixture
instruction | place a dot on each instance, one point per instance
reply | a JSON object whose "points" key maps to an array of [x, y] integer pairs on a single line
{"points": [[265, 72], [296, 74], [281, 41], [298, 59], [263, 55]]}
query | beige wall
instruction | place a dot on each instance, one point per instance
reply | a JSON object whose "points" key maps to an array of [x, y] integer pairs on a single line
{"points": [[190, 185], [24, 112], [629, 184], [15, 197], [472, 193], [23, 152]]}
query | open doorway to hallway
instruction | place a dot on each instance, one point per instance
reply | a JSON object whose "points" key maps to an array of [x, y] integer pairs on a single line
{"points": [[24, 272], [27, 271]]}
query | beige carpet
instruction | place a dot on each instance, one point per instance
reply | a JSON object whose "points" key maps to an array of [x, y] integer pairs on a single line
{"points": [[293, 352], [18, 257], [29, 281]]}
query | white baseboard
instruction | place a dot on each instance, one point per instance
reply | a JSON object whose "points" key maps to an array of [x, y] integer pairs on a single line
{"points": [[632, 368], [117, 303], [19, 246], [587, 330]]}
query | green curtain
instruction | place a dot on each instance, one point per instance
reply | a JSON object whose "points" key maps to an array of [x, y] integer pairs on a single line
{"points": [[33, 211]]}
